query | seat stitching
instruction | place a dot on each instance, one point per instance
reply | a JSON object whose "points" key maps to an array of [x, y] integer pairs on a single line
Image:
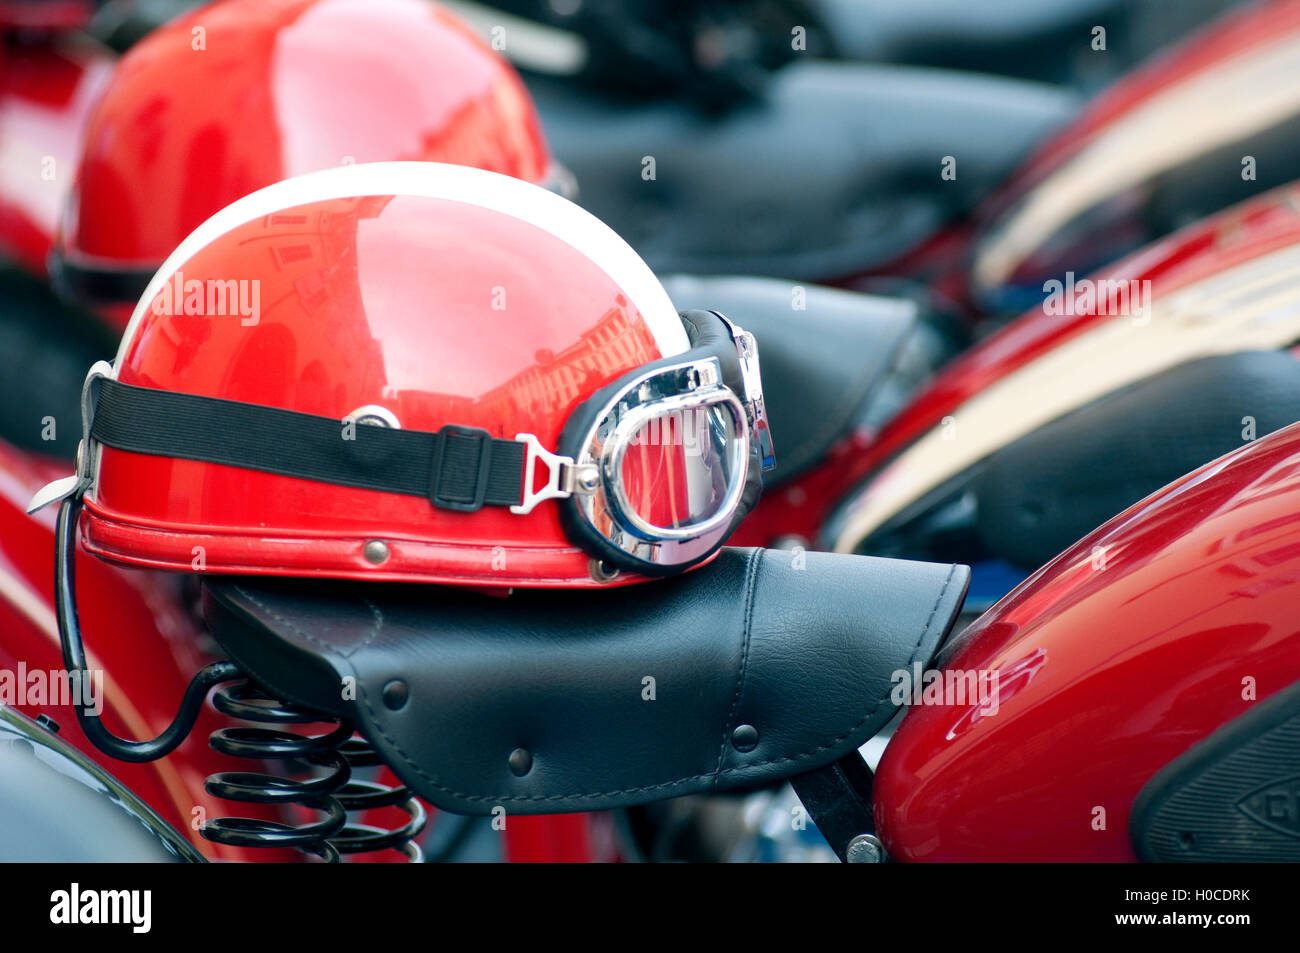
{"points": [[751, 577], [314, 640]]}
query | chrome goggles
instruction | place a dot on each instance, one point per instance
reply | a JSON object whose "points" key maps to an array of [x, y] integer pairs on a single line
{"points": [[666, 461]]}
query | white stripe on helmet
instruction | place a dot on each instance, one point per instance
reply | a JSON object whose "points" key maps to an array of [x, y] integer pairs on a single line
{"points": [[500, 193]]}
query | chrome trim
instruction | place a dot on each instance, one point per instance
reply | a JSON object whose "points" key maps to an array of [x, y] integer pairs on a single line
{"points": [[630, 423], [689, 385], [57, 754], [87, 451], [564, 478], [372, 415], [747, 353]]}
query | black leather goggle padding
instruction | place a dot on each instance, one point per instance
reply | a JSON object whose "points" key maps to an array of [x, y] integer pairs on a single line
{"points": [[709, 337], [456, 468], [97, 287]]}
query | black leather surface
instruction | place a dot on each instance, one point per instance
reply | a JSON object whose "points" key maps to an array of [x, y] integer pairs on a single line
{"points": [[710, 52], [820, 365], [834, 170], [45, 350], [1029, 38], [1039, 494], [801, 646]]}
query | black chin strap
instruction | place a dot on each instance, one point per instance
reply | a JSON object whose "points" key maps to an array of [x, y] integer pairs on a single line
{"points": [[456, 468]]}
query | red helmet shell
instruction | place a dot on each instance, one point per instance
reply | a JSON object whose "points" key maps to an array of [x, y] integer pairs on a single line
{"points": [[443, 294], [244, 93]]}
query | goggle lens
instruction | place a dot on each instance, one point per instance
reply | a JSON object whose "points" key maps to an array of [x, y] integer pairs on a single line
{"points": [[682, 469]]}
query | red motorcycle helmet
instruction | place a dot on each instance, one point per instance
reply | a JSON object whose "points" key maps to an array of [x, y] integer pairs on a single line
{"points": [[418, 372], [243, 93]]}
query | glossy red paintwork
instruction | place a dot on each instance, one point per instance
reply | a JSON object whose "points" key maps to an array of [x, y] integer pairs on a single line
{"points": [[139, 633], [45, 14], [1108, 670], [1245, 231], [378, 300], [284, 87], [553, 839], [46, 91]]}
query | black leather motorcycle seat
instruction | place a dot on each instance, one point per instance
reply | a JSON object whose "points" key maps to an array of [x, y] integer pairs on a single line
{"points": [[1041, 492], [763, 665], [834, 171], [823, 363], [1048, 41]]}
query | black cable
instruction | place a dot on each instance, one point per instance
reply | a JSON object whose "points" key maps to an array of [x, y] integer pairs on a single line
{"points": [[74, 659]]}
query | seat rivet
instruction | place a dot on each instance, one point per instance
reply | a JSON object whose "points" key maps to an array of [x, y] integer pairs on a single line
{"points": [[521, 762], [744, 738], [375, 551], [396, 693]]}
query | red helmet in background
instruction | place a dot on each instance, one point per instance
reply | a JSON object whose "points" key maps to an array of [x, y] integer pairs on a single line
{"points": [[47, 90], [418, 372], [243, 93]]}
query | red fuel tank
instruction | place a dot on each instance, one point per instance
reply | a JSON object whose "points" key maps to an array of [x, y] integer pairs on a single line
{"points": [[1165, 624]]}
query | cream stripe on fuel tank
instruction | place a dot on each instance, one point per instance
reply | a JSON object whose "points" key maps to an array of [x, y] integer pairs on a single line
{"points": [[1247, 93], [1255, 306]]}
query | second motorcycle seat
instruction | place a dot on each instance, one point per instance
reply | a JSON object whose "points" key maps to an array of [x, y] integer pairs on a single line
{"points": [[1029, 38], [758, 667], [837, 170], [825, 355]]}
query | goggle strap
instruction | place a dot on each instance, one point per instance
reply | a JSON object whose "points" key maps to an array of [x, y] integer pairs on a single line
{"points": [[456, 468]]}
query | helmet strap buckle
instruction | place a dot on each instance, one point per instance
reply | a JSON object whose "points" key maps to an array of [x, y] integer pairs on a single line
{"points": [[564, 477], [73, 487]]}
